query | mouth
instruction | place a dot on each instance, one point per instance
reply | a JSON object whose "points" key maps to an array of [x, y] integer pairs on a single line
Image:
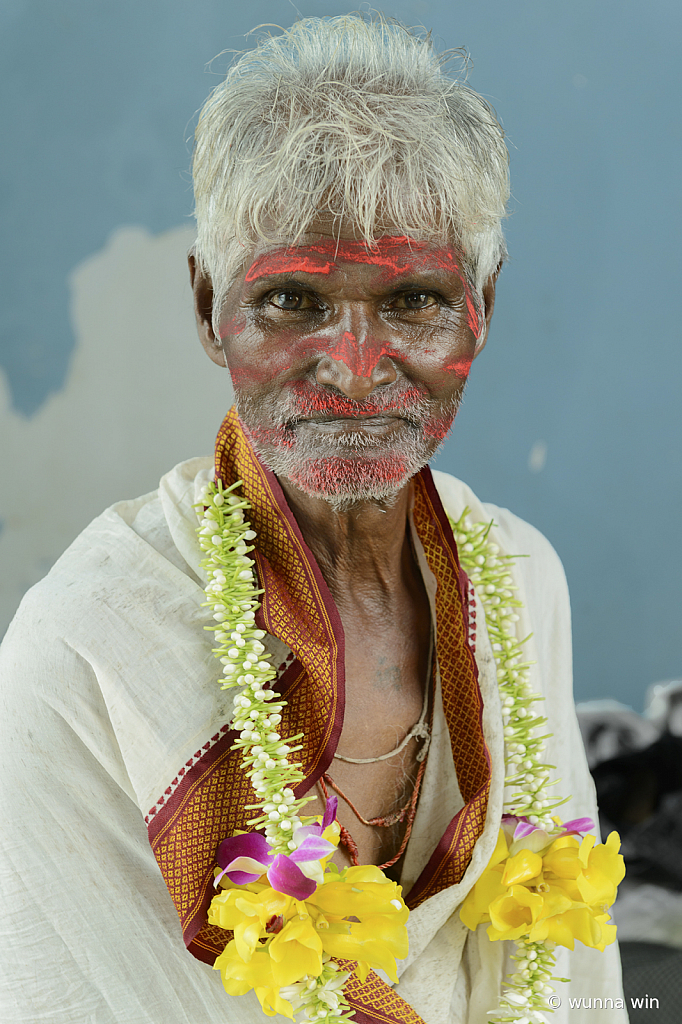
{"points": [[376, 423]]}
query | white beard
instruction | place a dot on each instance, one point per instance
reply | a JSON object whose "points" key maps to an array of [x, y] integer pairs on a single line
{"points": [[348, 467]]}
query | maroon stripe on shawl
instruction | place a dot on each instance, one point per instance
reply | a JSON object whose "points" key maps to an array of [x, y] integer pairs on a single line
{"points": [[185, 833], [297, 606], [375, 1002], [461, 695]]}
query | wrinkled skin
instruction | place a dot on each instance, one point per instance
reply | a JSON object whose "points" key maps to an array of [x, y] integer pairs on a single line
{"points": [[348, 365]]}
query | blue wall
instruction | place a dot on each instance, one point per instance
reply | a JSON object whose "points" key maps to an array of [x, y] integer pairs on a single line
{"points": [[584, 355]]}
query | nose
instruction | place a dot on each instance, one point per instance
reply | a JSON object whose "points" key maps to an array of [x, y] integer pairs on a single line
{"points": [[356, 365]]}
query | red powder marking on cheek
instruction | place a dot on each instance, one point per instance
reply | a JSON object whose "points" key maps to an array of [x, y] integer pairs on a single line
{"points": [[257, 368], [437, 428], [473, 320], [242, 376], [461, 367], [233, 327]]}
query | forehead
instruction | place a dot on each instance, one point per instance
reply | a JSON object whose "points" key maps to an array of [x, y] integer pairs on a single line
{"points": [[394, 255]]}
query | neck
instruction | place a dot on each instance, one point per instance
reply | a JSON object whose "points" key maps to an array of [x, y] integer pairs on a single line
{"points": [[363, 547]]}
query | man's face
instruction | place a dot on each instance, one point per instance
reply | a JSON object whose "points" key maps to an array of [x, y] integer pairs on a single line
{"points": [[348, 364]]}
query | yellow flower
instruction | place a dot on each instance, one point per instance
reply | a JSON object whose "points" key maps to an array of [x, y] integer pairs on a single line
{"points": [[239, 978], [357, 914], [374, 942], [603, 871], [501, 851], [587, 873], [357, 891], [554, 900], [377, 933], [562, 858], [296, 951], [514, 913], [474, 910], [578, 923], [248, 914], [522, 868], [489, 886], [560, 895]]}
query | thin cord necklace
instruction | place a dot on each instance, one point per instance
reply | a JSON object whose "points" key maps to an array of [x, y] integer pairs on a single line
{"points": [[420, 731]]}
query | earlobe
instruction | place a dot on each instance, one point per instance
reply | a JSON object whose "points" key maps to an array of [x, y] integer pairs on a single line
{"points": [[202, 288]]}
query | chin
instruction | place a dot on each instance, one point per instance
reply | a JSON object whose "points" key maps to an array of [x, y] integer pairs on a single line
{"points": [[343, 482], [345, 474]]}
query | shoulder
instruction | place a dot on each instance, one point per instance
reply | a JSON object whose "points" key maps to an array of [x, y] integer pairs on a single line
{"points": [[96, 644], [113, 581]]}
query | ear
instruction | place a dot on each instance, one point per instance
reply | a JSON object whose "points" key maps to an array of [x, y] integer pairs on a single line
{"points": [[488, 293], [202, 287]]}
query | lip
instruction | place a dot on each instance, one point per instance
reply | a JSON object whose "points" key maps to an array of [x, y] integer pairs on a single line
{"points": [[381, 424], [368, 419]]}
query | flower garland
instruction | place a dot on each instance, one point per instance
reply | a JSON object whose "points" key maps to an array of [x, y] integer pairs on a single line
{"points": [[543, 885], [289, 906]]}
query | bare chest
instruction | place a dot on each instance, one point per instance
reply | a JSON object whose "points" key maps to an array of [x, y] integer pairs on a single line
{"points": [[387, 692]]}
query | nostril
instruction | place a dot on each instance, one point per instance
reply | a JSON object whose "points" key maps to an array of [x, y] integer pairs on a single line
{"points": [[331, 371]]}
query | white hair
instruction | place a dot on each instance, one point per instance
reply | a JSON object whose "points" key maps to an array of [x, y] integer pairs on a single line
{"points": [[355, 118]]}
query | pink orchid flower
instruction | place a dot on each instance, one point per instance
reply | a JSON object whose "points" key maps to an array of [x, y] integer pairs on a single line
{"points": [[526, 836], [245, 858]]}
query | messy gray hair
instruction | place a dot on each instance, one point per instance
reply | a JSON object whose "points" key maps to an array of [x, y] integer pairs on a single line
{"points": [[355, 118]]}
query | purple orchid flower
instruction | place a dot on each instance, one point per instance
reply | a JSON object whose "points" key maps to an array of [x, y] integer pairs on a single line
{"points": [[523, 827], [579, 826], [245, 858]]}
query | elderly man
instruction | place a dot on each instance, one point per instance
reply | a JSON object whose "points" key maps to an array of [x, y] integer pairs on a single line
{"points": [[349, 198]]}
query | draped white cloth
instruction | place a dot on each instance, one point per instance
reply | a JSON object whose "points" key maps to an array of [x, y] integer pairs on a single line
{"points": [[108, 687]]}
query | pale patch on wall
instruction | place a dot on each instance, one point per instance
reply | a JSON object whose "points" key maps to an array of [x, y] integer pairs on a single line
{"points": [[141, 396], [537, 457]]}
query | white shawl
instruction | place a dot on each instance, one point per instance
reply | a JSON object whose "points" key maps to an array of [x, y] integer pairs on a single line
{"points": [[109, 687]]}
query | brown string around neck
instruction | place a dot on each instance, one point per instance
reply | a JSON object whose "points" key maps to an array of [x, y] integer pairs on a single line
{"points": [[408, 811], [421, 730]]}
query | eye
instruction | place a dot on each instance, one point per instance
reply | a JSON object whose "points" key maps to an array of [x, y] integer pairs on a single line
{"points": [[292, 300], [415, 300]]}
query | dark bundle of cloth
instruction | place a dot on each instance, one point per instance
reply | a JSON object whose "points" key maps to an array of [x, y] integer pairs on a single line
{"points": [[640, 795]]}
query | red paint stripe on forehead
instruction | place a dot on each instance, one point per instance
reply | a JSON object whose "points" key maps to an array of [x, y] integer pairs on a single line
{"points": [[284, 261], [319, 257], [394, 252]]}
